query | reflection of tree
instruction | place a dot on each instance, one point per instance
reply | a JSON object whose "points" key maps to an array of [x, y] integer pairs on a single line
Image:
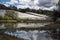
{"points": [[56, 15], [55, 34], [10, 25], [0, 24]]}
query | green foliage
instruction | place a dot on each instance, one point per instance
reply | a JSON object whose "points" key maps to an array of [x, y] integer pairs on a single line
{"points": [[11, 14], [1, 17], [4, 21], [7, 18], [2, 6], [45, 12]]}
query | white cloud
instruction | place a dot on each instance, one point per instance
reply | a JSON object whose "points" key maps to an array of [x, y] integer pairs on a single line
{"points": [[6, 5], [21, 6], [12, 2], [36, 4]]}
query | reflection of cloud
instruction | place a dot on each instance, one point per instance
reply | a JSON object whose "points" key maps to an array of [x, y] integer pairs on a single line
{"points": [[30, 35]]}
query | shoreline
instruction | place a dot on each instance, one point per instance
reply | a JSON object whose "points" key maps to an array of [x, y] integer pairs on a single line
{"points": [[8, 37], [24, 21]]}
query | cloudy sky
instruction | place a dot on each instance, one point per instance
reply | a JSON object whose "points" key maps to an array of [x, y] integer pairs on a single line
{"points": [[35, 4]]}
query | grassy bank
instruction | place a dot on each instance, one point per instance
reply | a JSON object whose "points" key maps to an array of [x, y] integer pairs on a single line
{"points": [[32, 21], [24, 21], [3, 21]]}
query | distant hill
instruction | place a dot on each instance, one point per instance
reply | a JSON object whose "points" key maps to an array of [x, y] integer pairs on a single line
{"points": [[47, 12]]}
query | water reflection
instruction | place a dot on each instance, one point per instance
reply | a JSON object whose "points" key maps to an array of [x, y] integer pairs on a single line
{"points": [[8, 25], [2, 26], [53, 34], [30, 35], [35, 35], [19, 25]]}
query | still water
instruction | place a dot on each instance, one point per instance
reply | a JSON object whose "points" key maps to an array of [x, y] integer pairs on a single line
{"points": [[19, 25], [30, 34]]}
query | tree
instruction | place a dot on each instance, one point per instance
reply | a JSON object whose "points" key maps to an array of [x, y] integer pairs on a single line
{"points": [[2, 6], [13, 7], [56, 13]]}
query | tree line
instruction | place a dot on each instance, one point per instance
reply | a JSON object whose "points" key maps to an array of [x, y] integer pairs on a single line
{"points": [[39, 11]]}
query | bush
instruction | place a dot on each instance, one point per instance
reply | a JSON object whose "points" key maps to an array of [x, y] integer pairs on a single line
{"points": [[8, 21], [1, 17]]}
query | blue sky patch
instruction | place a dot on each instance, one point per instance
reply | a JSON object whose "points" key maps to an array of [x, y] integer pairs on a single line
{"points": [[1, 1]]}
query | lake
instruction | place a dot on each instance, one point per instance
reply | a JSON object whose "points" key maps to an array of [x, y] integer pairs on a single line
{"points": [[20, 25], [30, 34]]}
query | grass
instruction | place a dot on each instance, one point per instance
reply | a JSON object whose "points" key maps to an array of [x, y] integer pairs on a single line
{"points": [[3, 21], [33, 21], [24, 21]]}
